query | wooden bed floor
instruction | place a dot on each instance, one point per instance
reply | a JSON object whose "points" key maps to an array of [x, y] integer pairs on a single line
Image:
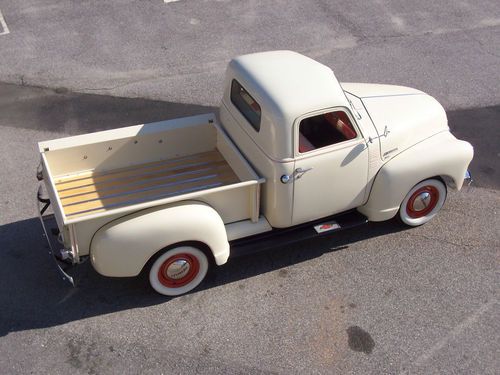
{"points": [[88, 192]]}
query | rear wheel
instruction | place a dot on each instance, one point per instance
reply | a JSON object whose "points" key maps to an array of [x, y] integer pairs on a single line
{"points": [[178, 270], [422, 202]]}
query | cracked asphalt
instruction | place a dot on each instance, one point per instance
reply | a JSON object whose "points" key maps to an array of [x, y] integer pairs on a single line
{"points": [[376, 299]]}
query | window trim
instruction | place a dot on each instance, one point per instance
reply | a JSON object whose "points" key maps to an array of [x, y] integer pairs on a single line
{"points": [[256, 126], [333, 146]]}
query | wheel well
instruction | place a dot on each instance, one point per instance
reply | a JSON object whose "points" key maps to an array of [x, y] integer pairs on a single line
{"points": [[448, 181], [197, 244], [439, 178], [443, 180]]}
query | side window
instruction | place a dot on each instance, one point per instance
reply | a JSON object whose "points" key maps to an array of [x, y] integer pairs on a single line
{"points": [[247, 105], [324, 130]]}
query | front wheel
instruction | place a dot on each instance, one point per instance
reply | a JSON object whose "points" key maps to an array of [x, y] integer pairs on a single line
{"points": [[178, 270], [422, 202]]}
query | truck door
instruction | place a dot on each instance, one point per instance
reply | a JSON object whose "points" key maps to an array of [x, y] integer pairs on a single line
{"points": [[331, 165]]}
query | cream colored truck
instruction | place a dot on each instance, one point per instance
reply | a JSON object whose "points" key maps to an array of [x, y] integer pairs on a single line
{"points": [[295, 154]]}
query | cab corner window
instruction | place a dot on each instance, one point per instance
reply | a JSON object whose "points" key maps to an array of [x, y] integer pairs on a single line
{"points": [[247, 105], [324, 130]]}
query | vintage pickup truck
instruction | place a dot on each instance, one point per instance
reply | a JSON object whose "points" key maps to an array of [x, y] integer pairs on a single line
{"points": [[294, 154]]}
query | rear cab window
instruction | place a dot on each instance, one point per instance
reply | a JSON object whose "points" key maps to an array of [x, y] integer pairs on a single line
{"points": [[324, 130], [247, 105]]}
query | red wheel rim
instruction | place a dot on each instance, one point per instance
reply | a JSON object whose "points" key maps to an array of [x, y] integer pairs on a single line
{"points": [[178, 270], [422, 201]]}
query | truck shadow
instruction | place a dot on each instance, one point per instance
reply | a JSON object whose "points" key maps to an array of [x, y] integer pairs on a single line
{"points": [[72, 113], [32, 294]]}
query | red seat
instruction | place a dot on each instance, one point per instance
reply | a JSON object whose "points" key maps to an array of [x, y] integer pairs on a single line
{"points": [[340, 122], [304, 144]]}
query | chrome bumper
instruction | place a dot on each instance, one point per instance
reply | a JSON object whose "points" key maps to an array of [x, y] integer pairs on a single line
{"points": [[41, 211], [468, 178]]}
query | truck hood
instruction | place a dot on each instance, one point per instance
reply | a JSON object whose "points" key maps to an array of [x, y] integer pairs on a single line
{"points": [[368, 90], [409, 115]]}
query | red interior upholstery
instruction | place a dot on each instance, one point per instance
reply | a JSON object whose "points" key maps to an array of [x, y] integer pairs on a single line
{"points": [[304, 144], [340, 121], [345, 129]]}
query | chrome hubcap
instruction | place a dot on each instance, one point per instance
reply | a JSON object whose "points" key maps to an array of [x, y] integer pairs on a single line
{"points": [[178, 269], [422, 201]]}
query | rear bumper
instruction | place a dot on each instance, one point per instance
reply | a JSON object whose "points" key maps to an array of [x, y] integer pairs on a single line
{"points": [[42, 205]]}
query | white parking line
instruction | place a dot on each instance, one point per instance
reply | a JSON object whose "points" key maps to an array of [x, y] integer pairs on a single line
{"points": [[4, 25], [170, 1], [454, 334]]}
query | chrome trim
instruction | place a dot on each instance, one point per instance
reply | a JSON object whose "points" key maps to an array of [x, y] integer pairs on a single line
{"points": [[129, 184], [161, 165], [285, 179], [140, 190], [468, 178], [422, 201], [299, 172], [178, 269], [147, 199], [384, 134]]}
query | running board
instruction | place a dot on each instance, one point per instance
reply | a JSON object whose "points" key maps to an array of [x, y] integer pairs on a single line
{"points": [[279, 237]]}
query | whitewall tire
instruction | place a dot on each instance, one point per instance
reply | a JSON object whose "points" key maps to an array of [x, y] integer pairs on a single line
{"points": [[422, 202], [178, 270]]}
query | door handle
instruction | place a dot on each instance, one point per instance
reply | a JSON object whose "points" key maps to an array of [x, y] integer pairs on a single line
{"points": [[286, 178], [299, 172]]}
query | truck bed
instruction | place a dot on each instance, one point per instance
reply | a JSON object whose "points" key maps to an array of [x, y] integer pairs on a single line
{"points": [[97, 177], [91, 192]]}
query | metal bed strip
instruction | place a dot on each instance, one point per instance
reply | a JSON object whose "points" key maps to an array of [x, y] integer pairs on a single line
{"points": [[133, 176], [134, 183], [134, 167], [148, 198], [155, 187]]}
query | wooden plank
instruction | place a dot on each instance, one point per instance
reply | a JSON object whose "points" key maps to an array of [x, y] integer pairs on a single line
{"points": [[118, 188], [91, 192], [82, 179], [132, 181], [120, 201], [182, 159]]}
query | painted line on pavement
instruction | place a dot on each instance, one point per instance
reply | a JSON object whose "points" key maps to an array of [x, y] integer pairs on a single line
{"points": [[455, 333], [5, 28]]}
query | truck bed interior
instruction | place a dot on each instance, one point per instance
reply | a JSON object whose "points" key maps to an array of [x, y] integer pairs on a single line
{"points": [[91, 192], [122, 170]]}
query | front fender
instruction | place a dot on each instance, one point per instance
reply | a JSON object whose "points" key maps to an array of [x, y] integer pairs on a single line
{"points": [[441, 155], [123, 246]]}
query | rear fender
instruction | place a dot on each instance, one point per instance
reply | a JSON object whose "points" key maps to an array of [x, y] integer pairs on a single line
{"points": [[123, 246], [441, 156]]}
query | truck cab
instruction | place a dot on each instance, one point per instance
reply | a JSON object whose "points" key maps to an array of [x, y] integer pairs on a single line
{"points": [[293, 122]]}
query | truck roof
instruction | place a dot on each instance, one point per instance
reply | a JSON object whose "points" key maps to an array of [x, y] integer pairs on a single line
{"points": [[289, 83]]}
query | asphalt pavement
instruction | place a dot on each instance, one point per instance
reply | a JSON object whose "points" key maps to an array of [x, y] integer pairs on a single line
{"points": [[376, 299]]}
